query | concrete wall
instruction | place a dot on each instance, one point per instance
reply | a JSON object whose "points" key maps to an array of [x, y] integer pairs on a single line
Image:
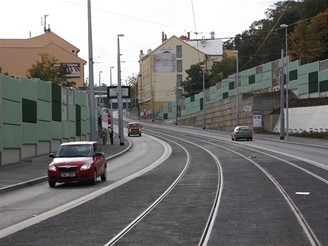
{"points": [[222, 115], [305, 119]]}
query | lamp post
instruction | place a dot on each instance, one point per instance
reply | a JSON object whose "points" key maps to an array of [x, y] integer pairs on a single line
{"points": [[287, 79], [204, 96], [91, 85], [100, 94], [237, 83], [152, 100], [119, 92], [111, 83], [282, 113], [177, 101], [111, 102]]}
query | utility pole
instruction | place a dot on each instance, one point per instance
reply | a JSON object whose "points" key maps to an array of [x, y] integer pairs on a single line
{"points": [[111, 103], [91, 81], [119, 89], [282, 91]]}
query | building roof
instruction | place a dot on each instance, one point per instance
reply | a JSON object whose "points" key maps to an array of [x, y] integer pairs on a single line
{"points": [[208, 46], [42, 41]]}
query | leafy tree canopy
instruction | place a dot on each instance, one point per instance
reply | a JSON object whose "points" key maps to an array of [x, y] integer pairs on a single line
{"points": [[47, 70], [132, 81], [309, 40], [307, 30], [194, 81], [264, 40], [221, 70]]}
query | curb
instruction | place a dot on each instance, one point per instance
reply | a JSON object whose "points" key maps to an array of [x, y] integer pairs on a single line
{"points": [[23, 184]]}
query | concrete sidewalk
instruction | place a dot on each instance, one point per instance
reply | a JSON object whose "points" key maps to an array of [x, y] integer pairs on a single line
{"points": [[34, 170]]}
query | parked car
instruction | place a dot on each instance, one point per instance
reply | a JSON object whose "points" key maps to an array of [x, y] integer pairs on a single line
{"points": [[134, 128], [77, 161], [242, 132]]}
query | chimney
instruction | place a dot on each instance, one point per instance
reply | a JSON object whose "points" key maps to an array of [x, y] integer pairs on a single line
{"points": [[212, 35], [163, 37], [188, 35]]}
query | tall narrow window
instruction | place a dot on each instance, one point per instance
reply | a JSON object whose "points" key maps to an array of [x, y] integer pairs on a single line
{"points": [[179, 51], [179, 79], [179, 66]]}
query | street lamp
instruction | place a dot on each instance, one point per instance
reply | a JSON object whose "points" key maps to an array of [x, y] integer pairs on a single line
{"points": [[100, 94], [111, 83], [204, 96], [287, 80], [282, 113], [119, 92], [237, 83], [111, 102], [91, 79], [152, 100]]}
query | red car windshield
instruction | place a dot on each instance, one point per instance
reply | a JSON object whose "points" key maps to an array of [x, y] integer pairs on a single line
{"points": [[75, 151], [136, 125]]}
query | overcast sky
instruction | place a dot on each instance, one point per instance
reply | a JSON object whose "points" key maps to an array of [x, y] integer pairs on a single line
{"points": [[141, 21]]}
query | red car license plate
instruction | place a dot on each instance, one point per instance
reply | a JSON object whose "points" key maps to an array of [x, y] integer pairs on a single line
{"points": [[65, 175]]}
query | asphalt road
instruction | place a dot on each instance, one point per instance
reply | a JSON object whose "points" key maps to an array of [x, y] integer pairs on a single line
{"points": [[208, 191]]}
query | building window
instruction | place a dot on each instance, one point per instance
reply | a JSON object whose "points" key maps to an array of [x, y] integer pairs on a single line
{"points": [[179, 79], [179, 51], [179, 66]]}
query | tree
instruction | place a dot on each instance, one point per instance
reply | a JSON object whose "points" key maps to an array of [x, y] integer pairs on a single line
{"points": [[47, 70], [309, 39], [222, 69], [132, 81], [263, 41], [194, 81]]}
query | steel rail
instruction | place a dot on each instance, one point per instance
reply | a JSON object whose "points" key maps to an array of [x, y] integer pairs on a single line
{"points": [[154, 204], [212, 216], [302, 221]]}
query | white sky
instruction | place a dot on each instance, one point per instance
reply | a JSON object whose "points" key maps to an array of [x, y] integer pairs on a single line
{"points": [[141, 22]]}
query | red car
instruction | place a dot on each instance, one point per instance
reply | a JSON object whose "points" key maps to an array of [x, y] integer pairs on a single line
{"points": [[134, 128], [77, 161]]}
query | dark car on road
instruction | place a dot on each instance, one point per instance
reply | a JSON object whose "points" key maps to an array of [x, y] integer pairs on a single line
{"points": [[77, 161], [242, 132]]}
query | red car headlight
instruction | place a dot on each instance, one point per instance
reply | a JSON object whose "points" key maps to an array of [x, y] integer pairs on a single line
{"points": [[86, 166], [52, 168]]}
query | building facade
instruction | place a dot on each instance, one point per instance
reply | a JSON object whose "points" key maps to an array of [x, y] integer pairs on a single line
{"points": [[162, 69], [18, 55]]}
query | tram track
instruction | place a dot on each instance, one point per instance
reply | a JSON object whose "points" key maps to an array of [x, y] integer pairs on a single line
{"points": [[311, 236], [211, 218], [210, 191]]}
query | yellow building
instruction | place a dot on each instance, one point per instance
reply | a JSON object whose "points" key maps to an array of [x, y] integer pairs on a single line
{"points": [[18, 55], [162, 69]]}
